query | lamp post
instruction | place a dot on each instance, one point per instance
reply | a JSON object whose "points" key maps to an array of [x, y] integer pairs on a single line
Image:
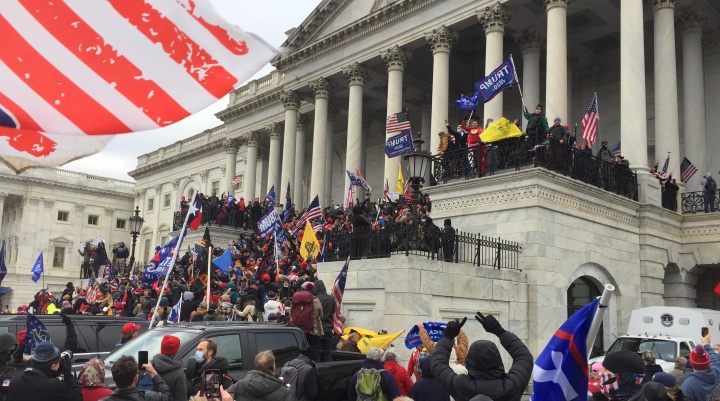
{"points": [[136, 223], [418, 162]]}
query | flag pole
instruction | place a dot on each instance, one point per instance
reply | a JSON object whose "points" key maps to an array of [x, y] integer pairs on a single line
{"points": [[207, 292], [517, 80], [597, 319]]}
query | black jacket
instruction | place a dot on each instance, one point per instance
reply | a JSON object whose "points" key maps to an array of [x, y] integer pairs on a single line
{"points": [[135, 394], [328, 305], [486, 374], [193, 373], [37, 385], [171, 371], [427, 388], [259, 386]]}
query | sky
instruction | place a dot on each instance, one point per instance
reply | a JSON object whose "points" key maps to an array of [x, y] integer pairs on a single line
{"points": [[268, 22]]}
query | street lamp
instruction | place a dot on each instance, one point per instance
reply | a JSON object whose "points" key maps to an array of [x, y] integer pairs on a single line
{"points": [[136, 223], [418, 162]]}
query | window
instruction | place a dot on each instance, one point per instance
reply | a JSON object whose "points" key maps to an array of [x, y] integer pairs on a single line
{"points": [[164, 239], [228, 347], [146, 249], [283, 345], [59, 256], [120, 224], [63, 216], [93, 220], [215, 187], [166, 200], [20, 215], [151, 204]]}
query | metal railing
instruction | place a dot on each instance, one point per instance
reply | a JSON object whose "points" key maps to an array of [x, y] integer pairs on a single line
{"points": [[514, 153], [413, 239], [695, 202], [229, 218]]}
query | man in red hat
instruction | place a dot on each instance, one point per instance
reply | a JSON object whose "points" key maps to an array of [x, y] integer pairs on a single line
{"points": [[169, 369], [704, 382], [129, 332]]}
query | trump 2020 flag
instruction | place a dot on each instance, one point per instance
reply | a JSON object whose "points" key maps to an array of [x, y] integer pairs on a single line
{"points": [[35, 332], [561, 370], [38, 268], [159, 265], [174, 316], [74, 72]]}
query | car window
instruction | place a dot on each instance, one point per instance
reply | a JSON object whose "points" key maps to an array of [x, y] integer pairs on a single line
{"points": [[684, 350], [228, 347], [283, 345], [148, 341]]}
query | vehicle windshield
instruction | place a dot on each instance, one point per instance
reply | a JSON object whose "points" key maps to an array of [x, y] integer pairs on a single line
{"points": [[148, 341], [662, 349]]}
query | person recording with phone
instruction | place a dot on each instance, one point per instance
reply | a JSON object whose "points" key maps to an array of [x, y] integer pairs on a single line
{"points": [[41, 379], [125, 374]]}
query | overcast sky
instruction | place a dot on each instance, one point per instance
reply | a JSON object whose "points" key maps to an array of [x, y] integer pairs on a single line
{"points": [[267, 19]]}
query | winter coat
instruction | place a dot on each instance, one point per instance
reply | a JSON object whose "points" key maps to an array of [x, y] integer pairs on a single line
{"points": [[486, 373], [537, 123], [260, 386], [162, 393], [198, 315], [427, 388], [705, 384], [402, 378], [194, 372], [461, 348], [650, 371], [307, 384], [328, 305], [95, 393], [317, 316], [387, 381], [36, 384], [172, 373]]}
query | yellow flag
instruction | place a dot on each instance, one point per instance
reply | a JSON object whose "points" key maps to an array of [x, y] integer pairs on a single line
{"points": [[401, 181], [309, 245], [360, 330], [380, 341], [500, 129]]}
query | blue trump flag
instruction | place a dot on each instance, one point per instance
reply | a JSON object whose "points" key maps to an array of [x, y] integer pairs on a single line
{"points": [[561, 371], [496, 82], [467, 103], [159, 265], [271, 198], [435, 331], [3, 268], [230, 200], [174, 316], [224, 261], [37, 269], [35, 333]]}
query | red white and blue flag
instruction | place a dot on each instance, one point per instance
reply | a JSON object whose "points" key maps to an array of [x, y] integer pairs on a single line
{"points": [[561, 370], [362, 181], [687, 170], [338, 291], [666, 165], [73, 72], [195, 214], [590, 121]]}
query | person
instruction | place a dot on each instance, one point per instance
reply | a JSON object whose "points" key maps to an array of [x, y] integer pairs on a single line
{"points": [[669, 386], [621, 376], [350, 345], [130, 331], [402, 378], [10, 365], [413, 366], [427, 388], [537, 125], [486, 373], [327, 302], [709, 189], [448, 240], [475, 144], [125, 375], [205, 358], [301, 377], [704, 382], [679, 369], [272, 305], [40, 380], [557, 131], [170, 370], [366, 380], [460, 345], [306, 313], [261, 384], [92, 380], [650, 366], [101, 258]]}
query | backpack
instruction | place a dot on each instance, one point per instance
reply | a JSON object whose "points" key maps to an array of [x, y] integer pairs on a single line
{"points": [[368, 385], [711, 185], [301, 313], [290, 373]]}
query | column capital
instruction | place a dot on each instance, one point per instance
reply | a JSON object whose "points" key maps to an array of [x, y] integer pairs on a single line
{"points": [[588, 77], [262, 154], [321, 88], [231, 145], [80, 207], [425, 102], [175, 183], [204, 175], [395, 58], [274, 130], [493, 18], [158, 189], [302, 122], [711, 42], [691, 21], [531, 41], [252, 138], [3, 196], [355, 74], [332, 111], [549, 4], [33, 201], [223, 170], [441, 39], [48, 203], [109, 211], [139, 194], [290, 100], [656, 5]]}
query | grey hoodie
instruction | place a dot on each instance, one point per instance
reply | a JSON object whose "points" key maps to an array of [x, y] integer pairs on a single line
{"points": [[259, 386], [172, 373]]}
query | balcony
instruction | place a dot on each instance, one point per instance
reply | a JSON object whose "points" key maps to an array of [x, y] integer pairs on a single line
{"points": [[694, 202]]}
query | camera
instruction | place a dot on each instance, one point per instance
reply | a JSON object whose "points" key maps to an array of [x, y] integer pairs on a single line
{"points": [[65, 360]]}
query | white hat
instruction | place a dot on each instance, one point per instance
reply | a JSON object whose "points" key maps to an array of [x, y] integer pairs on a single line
{"points": [[707, 175]]}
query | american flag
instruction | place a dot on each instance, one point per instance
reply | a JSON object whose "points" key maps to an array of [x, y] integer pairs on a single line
{"points": [[318, 228], [92, 291], [616, 149], [73, 73], [338, 292], [237, 180], [665, 166], [110, 271], [687, 170], [398, 122], [313, 212], [590, 121], [198, 249], [349, 196], [386, 189], [361, 180]]}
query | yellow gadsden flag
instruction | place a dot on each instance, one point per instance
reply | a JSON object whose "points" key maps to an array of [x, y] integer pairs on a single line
{"points": [[500, 129], [309, 245], [369, 338], [401, 181]]}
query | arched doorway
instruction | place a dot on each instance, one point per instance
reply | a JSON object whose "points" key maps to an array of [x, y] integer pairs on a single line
{"points": [[580, 293]]}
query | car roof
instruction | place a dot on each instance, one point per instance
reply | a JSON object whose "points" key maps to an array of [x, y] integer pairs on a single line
{"points": [[112, 319], [218, 325]]}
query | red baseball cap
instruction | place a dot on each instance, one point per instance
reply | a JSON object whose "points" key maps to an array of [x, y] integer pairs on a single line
{"points": [[129, 328]]}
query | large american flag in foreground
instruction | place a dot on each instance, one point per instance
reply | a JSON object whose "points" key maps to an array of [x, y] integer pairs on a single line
{"points": [[74, 72], [590, 122], [337, 292]]}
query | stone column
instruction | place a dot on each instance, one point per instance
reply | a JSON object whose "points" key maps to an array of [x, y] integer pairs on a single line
{"points": [[425, 103], [321, 88], [291, 102], [329, 155], [366, 124], [231, 150], [572, 63], [440, 41], [251, 177], [395, 60], [691, 24], [298, 193], [355, 74], [262, 188], [273, 131], [556, 70], [493, 19], [667, 137], [3, 196], [531, 42]]}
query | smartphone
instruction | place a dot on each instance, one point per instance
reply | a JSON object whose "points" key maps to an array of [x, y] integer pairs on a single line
{"points": [[142, 359], [704, 331], [213, 378]]}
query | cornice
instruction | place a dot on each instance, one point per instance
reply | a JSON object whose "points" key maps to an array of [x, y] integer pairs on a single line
{"points": [[701, 231], [62, 184], [185, 156], [305, 34], [236, 111]]}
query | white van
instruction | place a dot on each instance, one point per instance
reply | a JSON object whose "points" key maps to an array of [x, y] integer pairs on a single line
{"points": [[667, 331]]}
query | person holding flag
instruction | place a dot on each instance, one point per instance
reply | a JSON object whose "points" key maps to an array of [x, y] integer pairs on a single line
{"points": [[41, 380], [537, 125]]}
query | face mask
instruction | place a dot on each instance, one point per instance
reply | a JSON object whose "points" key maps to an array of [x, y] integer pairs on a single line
{"points": [[199, 357]]}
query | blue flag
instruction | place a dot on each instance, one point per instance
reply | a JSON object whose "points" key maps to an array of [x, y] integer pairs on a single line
{"points": [[561, 370], [266, 224], [230, 200], [224, 261], [353, 178], [159, 265], [37, 269], [435, 331], [3, 268], [279, 232], [497, 81], [35, 333], [271, 198], [174, 316], [467, 103], [288, 204]]}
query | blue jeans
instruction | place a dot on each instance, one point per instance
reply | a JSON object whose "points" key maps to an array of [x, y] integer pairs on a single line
{"points": [[324, 346], [709, 202]]}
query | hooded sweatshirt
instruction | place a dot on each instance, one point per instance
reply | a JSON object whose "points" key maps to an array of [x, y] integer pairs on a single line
{"points": [[427, 388], [172, 373], [260, 386], [704, 384]]}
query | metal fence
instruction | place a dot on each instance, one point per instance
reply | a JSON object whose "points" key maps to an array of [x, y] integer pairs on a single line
{"points": [[232, 218], [514, 153], [694, 202], [411, 239]]}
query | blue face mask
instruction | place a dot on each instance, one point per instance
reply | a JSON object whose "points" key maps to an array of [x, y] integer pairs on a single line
{"points": [[199, 357]]}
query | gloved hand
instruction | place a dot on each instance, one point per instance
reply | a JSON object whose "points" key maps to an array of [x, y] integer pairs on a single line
{"points": [[490, 324], [65, 319], [453, 328]]}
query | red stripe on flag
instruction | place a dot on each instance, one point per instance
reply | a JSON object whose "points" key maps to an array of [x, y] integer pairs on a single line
{"points": [[76, 105], [198, 63], [236, 47], [574, 351], [24, 119], [90, 48]]}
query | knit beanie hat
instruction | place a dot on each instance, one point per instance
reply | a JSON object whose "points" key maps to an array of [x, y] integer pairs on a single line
{"points": [[624, 362], [44, 353], [699, 358], [169, 345]]}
